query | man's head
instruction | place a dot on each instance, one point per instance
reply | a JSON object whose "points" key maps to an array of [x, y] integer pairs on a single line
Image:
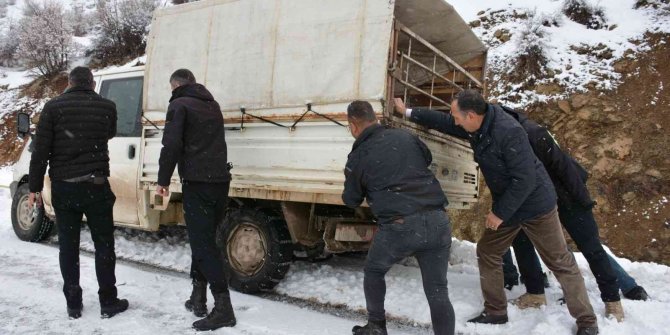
{"points": [[181, 77], [468, 109], [360, 115], [81, 77]]}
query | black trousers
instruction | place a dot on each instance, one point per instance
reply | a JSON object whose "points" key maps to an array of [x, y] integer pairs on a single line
{"points": [[579, 222], [427, 236], [71, 201], [204, 206]]}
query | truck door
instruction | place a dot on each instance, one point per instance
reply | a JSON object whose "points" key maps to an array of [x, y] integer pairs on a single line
{"points": [[124, 147]]}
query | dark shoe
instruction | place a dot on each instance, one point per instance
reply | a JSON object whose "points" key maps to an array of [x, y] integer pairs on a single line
{"points": [[116, 307], [222, 314], [75, 313], [587, 330], [372, 328], [489, 319], [198, 301], [511, 280], [637, 293], [73, 300]]}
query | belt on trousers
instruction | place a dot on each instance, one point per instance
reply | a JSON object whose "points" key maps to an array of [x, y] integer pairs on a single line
{"points": [[89, 178]]}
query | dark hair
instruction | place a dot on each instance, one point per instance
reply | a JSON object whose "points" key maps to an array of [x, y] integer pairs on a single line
{"points": [[182, 77], [81, 77], [471, 101], [362, 111]]}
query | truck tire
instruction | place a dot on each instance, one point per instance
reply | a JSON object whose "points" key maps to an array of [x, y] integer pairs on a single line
{"points": [[29, 226], [256, 248]]}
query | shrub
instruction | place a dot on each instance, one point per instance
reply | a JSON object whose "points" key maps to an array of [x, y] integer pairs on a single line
{"points": [[531, 61], [9, 45], [78, 18], [124, 25], [582, 12], [3, 9]]}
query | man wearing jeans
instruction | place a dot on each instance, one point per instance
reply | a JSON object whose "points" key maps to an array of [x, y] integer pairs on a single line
{"points": [[575, 212], [523, 198], [389, 168], [71, 138]]}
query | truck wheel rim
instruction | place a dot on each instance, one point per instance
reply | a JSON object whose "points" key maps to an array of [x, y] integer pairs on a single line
{"points": [[25, 216], [247, 249]]}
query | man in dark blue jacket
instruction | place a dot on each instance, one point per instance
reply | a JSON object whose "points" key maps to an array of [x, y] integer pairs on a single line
{"points": [[576, 215], [523, 198], [389, 168]]}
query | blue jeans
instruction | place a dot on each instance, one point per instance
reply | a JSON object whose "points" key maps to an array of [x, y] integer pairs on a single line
{"points": [[427, 236], [626, 282]]}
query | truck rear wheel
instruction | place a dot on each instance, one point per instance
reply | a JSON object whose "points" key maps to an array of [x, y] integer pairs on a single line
{"points": [[256, 248], [28, 225]]}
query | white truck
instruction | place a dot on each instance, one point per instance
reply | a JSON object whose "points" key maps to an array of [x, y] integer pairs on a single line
{"points": [[283, 72]]}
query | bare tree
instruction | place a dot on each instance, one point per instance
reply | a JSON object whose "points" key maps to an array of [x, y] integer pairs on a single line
{"points": [[124, 25], [3, 9], [78, 18], [45, 38], [9, 45]]}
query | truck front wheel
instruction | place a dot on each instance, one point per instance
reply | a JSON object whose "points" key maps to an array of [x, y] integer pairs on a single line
{"points": [[256, 248], [29, 225]]}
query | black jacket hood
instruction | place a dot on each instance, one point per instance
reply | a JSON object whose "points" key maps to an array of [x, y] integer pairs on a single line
{"points": [[197, 91]]}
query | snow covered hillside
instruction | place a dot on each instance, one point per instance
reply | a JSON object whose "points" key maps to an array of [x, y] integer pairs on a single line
{"points": [[578, 57], [31, 300]]}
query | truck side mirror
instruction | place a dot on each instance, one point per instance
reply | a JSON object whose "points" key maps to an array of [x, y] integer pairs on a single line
{"points": [[23, 124]]}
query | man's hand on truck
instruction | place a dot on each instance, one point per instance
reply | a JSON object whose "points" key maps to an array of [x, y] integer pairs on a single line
{"points": [[399, 106], [163, 191]]}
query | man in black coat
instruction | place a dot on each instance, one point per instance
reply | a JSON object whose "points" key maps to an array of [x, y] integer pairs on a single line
{"points": [[576, 215], [194, 139], [523, 198], [389, 168], [71, 138]]}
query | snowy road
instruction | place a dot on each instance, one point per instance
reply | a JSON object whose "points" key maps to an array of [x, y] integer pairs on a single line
{"points": [[31, 302]]}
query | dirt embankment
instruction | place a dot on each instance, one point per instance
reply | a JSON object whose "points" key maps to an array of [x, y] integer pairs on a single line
{"points": [[26, 100], [623, 138]]}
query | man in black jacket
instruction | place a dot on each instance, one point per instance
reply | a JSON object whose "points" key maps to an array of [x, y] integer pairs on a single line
{"points": [[71, 138], [194, 140], [523, 198], [389, 168], [576, 215]]}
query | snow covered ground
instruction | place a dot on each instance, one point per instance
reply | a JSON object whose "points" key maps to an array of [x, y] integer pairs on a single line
{"points": [[31, 302]]}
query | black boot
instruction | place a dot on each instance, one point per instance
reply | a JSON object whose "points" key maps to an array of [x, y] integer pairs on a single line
{"points": [[113, 307], [587, 330], [637, 293], [372, 328], [198, 301], [222, 314], [511, 280], [73, 300], [489, 319]]}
